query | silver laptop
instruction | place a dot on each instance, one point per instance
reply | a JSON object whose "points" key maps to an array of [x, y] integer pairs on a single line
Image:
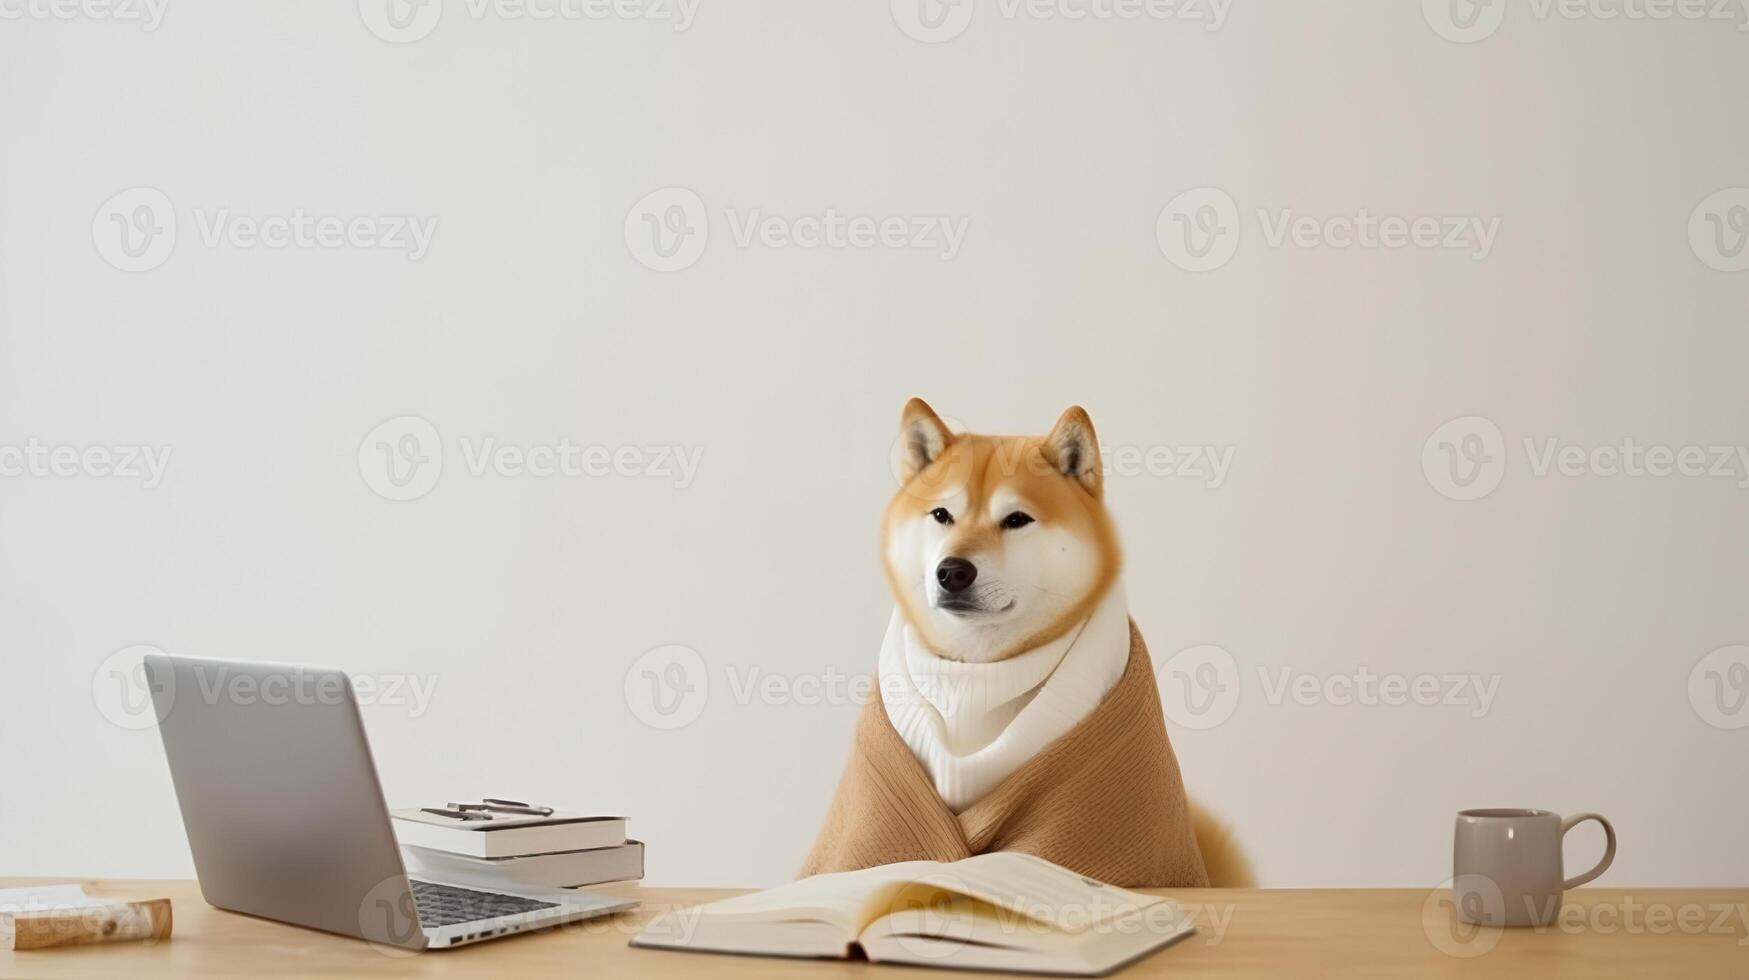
{"points": [[286, 818]]}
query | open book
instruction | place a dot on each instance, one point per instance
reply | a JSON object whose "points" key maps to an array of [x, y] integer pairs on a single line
{"points": [[1000, 911]]}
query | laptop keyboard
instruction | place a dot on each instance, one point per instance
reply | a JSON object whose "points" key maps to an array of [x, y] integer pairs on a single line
{"points": [[446, 905]]}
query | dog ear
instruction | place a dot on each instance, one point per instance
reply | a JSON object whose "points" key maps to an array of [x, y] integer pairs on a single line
{"points": [[923, 436], [1074, 450]]}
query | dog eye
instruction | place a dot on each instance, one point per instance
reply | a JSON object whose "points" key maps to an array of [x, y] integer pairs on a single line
{"points": [[941, 515], [1016, 519]]}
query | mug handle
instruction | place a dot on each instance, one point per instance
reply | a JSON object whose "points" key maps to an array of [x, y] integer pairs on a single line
{"points": [[1568, 823]]}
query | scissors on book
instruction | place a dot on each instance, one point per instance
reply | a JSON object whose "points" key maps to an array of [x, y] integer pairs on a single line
{"points": [[488, 806]]}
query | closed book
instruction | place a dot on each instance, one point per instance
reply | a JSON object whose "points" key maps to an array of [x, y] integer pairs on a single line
{"points": [[507, 836], [564, 869], [43, 916]]}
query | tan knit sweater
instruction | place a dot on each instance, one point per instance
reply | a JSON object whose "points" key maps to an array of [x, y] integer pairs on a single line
{"points": [[1105, 800]]}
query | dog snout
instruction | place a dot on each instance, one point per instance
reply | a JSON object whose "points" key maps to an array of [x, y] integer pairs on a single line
{"points": [[955, 575]]}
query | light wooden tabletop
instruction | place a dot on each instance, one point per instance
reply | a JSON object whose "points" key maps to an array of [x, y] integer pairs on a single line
{"points": [[1602, 932]]}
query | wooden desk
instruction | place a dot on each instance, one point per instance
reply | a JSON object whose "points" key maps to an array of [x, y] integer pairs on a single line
{"points": [[1604, 932]]}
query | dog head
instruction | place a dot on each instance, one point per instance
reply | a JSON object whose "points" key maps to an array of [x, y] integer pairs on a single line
{"points": [[996, 544]]}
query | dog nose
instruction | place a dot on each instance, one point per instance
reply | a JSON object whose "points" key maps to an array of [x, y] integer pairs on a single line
{"points": [[955, 574]]}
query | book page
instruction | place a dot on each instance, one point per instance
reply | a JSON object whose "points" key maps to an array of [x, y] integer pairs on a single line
{"points": [[1040, 890], [1010, 911], [840, 898], [1018, 883]]}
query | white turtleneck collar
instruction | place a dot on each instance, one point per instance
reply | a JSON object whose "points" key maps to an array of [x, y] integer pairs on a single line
{"points": [[972, 725]]}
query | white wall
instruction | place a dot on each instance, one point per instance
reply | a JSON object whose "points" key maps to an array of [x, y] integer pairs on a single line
{"points": [[1589, 600]]}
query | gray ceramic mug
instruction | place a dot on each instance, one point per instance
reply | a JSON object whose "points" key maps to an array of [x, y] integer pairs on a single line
{"points": [[1506, 865]]}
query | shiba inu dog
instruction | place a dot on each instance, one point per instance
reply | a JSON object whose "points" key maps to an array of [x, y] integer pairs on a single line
{"points": [[997, 544], [1011, 639]]}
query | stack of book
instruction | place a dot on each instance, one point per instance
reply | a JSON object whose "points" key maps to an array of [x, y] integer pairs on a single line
{"points": [[510, 843]]}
